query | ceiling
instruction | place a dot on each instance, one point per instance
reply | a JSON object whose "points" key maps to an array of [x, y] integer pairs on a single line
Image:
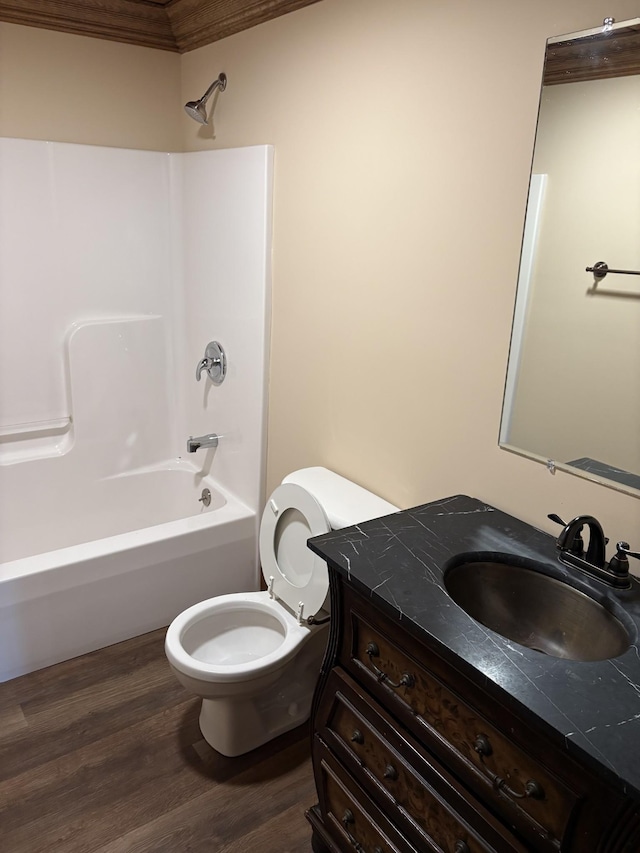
{"points": [[176, 25]]}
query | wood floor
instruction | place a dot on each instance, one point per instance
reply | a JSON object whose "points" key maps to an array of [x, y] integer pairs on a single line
{"points": [[103, 754]]}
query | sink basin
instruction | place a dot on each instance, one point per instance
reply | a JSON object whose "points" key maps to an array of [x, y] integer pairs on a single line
{"points": [[535, 610]]}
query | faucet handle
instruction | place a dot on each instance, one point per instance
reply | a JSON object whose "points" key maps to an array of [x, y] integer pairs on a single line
{"points": [[619, 563], [214, 362], [203, 364], [623, 548]]}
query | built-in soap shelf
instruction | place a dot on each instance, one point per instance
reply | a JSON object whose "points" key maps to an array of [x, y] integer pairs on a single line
{"points": [[21, 442], [15, 432]]}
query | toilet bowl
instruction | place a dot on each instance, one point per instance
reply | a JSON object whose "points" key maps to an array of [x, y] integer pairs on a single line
{"points": [[254, 657]]}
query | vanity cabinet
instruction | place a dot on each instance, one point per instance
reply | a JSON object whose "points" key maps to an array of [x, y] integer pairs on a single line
{"points": [[415, 752]]}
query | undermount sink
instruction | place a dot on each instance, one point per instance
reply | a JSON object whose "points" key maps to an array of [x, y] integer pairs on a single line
{"points": [[535, 610]]}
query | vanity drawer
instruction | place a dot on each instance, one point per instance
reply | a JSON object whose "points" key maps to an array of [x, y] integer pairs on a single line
{"points": [[505, 776], [411, 788], [349, 816]]}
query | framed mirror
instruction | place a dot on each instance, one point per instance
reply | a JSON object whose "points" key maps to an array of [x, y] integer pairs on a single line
{"points": [[572, 394]]}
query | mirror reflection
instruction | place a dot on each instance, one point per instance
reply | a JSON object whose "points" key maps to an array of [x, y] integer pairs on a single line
{"points": [[572, 395]]}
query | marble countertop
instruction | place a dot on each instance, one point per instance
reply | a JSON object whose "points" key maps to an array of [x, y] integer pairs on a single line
{"points": [[591, 708]]}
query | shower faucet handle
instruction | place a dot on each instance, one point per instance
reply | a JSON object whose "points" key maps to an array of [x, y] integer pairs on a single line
{"points": [[214, 362], [203, 364]]}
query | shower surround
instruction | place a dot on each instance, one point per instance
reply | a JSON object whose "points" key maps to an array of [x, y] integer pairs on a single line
{"points": [[117, 268]]}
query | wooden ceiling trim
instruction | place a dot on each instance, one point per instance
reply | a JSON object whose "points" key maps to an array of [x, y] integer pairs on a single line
{"points": [[596, 57], [129, 21], [176, 25], [199, 22]]}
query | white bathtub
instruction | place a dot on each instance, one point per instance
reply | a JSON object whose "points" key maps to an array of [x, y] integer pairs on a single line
{"points": [[143, 258], [124, 557]]}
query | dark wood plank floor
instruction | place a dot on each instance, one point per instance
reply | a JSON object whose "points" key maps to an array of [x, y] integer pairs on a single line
{"points": [[103, 754]]}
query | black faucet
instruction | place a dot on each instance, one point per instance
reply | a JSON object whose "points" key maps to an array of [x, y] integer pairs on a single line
{"points": [[595, 555], [571, 547]]}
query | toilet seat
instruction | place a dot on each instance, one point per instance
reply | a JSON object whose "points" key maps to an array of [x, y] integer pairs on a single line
{"points": [[293, 573], [209, 620]]}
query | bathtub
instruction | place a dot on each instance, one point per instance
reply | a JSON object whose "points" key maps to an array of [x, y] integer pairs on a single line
{"points": [[102, 538], [116, 559]]}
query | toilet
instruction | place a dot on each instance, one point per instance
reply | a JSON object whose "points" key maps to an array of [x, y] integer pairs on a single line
{"points": [[254, 657]]}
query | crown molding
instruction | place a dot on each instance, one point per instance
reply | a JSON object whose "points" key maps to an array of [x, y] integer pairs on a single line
{"points": [[596, 56], [175, 25]]}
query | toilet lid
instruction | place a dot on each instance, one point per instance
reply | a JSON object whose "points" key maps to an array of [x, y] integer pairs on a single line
{"points": [[290, 517]]}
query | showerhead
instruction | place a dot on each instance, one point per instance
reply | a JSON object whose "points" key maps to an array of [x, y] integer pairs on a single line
{"points": [[198, 109]]}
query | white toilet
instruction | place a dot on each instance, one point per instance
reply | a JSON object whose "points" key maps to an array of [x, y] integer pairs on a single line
{"points": [[253, 656]]}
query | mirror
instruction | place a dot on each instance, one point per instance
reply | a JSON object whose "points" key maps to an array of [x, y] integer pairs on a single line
{"points": [[572, 394]]}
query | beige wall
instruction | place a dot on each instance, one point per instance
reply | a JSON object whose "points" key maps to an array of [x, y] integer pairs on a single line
{"points": [[403, 134], [69, 88]]}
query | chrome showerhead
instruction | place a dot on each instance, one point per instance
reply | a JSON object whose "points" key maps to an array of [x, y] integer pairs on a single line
{"points": [[198, 109]]}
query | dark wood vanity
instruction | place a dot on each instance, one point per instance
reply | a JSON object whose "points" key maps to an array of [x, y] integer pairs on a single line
{"points": [[416, 750]]}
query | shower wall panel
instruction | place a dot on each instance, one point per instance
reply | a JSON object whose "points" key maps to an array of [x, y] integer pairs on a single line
{"points": [[226, 238], [148, 257], [84, 235]]}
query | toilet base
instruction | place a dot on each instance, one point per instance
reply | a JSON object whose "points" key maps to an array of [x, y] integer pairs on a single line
{"points": [[233, 728], [238, 724]]}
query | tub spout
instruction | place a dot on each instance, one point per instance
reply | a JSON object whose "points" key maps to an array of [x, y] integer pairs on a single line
{"points": [[210, 440]]}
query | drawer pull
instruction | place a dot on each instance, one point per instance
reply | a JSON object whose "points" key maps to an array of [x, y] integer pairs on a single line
{"points": [[407, 679], [461, 847], [390, 772], [357, 736], [347, 820], [532, 789]]}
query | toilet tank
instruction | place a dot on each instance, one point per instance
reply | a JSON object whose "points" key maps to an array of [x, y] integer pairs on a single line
{"points": [[344, 503]]}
